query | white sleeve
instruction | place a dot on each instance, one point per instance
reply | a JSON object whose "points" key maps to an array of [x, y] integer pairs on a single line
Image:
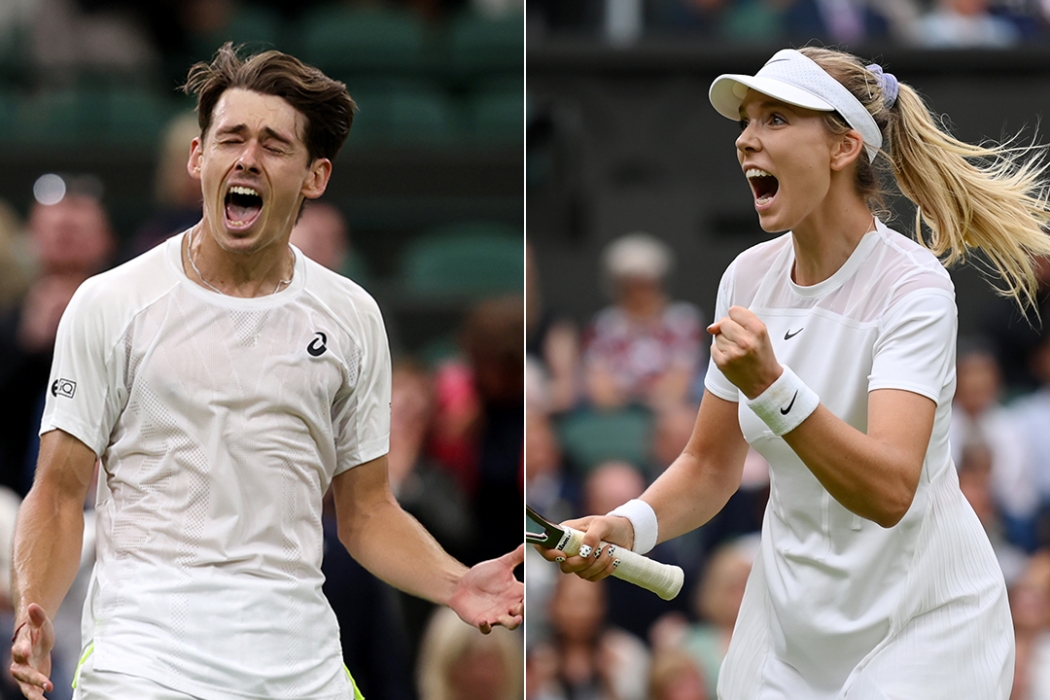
{"points": [[714, 380], [361, 414], [915, 349], [86, 391]]}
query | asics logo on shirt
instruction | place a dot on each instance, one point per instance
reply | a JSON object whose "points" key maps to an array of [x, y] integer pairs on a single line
{"points": [[63, 387], [788, 335], [317, 346], [785, 411]]}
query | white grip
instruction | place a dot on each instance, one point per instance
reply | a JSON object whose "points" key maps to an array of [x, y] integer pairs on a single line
{"points": [[665, 580]]}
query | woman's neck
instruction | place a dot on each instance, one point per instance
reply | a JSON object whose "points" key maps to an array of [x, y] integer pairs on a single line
{"points": [[827, 238]]}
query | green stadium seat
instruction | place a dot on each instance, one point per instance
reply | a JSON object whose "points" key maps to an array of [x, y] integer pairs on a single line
{"points": [[112, 116], [346, 41], [137, 116], [497, 111], [590, 437], [464, 261], [402, 112], [256, 27], [477, 45]]}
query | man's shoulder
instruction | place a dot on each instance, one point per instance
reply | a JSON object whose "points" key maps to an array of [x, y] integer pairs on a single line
{"points": [[342, 296], [130, 286]]}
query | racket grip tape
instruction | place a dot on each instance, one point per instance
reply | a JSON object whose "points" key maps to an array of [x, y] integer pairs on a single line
{"points": [[665, 580]]}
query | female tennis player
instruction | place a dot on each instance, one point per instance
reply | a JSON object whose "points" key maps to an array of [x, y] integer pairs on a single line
{"points": [[834, 357]]}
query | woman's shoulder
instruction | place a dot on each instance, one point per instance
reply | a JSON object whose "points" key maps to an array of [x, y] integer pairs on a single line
{"points": [[906, 265]]}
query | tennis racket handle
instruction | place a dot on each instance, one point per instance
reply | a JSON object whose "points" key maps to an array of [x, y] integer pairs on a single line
{"points": [[665, 580]]}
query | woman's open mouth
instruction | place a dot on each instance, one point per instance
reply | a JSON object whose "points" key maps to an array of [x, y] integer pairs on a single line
{"points": [[242, 206], [763, 185]]}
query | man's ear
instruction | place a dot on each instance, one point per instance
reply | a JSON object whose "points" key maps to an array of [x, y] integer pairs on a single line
{"points": [[846, 149], [317, 179], [193, 165]]}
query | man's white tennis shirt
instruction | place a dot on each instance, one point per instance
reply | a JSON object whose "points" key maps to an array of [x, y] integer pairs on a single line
{"points": [[220, 422], [836, 602]]}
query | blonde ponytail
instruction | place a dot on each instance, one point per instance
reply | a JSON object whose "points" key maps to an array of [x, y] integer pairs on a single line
{"points": [[991, 197]]}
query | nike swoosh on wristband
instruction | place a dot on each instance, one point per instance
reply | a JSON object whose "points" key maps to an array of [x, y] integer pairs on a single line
{"points": [[788, 335], [785, 411]]}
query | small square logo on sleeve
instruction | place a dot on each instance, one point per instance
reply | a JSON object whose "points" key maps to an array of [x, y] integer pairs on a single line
{"points": [[64, 387]]}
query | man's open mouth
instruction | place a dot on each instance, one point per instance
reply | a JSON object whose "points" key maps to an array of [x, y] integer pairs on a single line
{"points": [[242, 205], [763, 185]]}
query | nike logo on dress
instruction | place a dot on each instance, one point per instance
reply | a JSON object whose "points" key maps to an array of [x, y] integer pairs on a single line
{"points": [[785, 411], [317, 346], [788, 335]]}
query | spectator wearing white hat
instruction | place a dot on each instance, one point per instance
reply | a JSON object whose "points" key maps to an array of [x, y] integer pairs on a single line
{"points": [[644, 348]]}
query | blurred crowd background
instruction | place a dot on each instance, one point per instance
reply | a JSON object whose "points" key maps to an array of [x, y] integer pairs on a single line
{"points": [[919, 23], [424, 209], [635, 205]]}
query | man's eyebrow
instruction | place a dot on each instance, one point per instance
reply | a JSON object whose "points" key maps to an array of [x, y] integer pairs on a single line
{"points": [[239, 129]]}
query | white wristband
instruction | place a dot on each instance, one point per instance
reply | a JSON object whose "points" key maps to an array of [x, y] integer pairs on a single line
{"points": [[643, 520], [785, 403]]}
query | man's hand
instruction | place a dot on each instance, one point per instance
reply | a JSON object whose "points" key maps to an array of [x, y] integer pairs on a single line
{"points": [[489, 595], [31, 654]]}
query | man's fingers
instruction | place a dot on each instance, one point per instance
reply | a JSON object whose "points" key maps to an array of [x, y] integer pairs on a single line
{"points": [[29, 677], [37, 616], [515, 558]]}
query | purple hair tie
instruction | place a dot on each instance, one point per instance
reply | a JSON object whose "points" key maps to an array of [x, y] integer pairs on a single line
{"points": [[890, 86]]}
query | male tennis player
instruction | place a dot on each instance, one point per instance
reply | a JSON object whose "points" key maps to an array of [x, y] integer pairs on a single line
{"points": [[226, 381]]}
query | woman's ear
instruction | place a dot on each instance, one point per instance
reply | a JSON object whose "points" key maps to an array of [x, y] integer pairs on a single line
{"points": [[846, 149]]}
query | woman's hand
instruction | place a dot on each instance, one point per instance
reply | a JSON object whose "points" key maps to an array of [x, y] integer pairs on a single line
{"points": [[743, 352], [598, 529]]}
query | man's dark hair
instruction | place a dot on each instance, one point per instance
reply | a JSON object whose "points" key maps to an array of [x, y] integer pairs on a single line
{"points": [[324, 102]]}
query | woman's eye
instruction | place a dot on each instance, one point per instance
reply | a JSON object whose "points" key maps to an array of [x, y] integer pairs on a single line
{"points": [[743, 124], [777, 119]]}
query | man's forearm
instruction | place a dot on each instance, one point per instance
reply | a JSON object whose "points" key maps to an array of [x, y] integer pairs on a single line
{"points": [[48, 540], [393, 545]]}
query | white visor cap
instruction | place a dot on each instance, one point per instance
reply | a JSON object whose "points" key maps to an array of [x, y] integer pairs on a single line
{"points": [[795, 79]]}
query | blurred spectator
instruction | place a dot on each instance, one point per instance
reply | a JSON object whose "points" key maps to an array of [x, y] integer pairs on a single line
{"points": [[701, 18], [1031, 414], [13, 273], [323, 235], [548, 488], [498, 9], [422, 486], [176, 195], [674, 675], [457, 663], [644, 348], [70, 240], [975, 481], [716, 603], [70, 35], [1016, 336], [978, 417], [632, 608], [672, 428], [1030, 609], [965, 24], [586, 659], [552, 348], [611, 484], [478, 429]]}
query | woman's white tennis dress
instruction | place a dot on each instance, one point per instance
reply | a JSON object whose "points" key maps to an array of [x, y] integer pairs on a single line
{"points": [[836, 605]]}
